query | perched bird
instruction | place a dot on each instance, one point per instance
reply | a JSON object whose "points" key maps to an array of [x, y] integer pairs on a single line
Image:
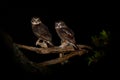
{"points": [[41, 32], [66, 35]]}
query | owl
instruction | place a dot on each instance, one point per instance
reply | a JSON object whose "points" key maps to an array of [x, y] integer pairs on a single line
{"points": [[41, 32], [66, 35]]}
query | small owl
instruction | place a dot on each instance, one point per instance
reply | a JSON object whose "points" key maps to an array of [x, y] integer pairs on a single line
{"points": [[66, 35], [41, 32]]}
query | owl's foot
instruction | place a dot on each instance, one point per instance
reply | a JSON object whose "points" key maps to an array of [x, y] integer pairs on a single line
{"points": [[63, 45], [41, 44]]}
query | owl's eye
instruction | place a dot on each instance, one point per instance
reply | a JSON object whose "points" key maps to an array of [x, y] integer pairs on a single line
{"points": [[56, 24], [32, 20], [38, 20]]}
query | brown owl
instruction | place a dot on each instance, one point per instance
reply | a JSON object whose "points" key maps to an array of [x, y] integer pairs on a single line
{"points": [[66, 35], [41, 32]]}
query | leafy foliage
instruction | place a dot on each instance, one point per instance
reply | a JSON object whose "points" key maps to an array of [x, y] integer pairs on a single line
{"points": [[100, 43]]}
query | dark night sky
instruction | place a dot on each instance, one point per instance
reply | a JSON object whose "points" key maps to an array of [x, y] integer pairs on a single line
{"points": [[84, 22]]}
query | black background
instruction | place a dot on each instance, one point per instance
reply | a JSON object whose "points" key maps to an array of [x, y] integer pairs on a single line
{"points": [[84, 21]]}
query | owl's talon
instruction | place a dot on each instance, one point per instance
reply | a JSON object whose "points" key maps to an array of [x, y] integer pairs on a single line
{"points": [[61, 46]]}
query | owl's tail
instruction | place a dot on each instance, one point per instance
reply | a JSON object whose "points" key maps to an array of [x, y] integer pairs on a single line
{"points": [[75, 47], [50, 44]]}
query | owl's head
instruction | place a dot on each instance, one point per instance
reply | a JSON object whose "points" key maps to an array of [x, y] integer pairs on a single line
{"points": [[35, 21], [60, 24]]}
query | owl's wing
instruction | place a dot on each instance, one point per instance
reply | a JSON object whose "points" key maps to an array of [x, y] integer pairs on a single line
{"points": [[67, 34], [41, 31]]}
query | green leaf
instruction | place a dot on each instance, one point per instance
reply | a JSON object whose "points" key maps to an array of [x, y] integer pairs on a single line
{"points": [[103, 34], [90, 60]]}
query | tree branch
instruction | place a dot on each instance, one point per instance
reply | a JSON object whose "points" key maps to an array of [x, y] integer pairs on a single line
{"points": [[57, 50], [66, 57], [41, 67], [52, 49]]}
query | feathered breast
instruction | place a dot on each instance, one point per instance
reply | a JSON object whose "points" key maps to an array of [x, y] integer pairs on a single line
{"points": [[66, 34], [41, 31]]}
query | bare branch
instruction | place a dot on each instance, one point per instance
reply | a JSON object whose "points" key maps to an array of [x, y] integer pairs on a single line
{"points": [[51, 49], [31, 66], [58, 50], [66, 57]]}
